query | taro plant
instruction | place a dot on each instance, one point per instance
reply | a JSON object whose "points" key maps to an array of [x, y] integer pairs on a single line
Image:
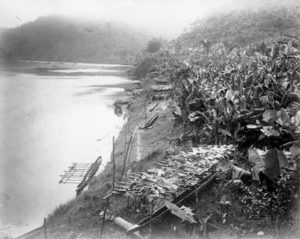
{"points": [[240, 97]]}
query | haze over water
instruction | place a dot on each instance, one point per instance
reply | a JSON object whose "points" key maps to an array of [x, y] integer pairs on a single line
{"points": [[47, 123]]}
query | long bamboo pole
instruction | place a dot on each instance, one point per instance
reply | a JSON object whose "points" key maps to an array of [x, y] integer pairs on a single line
{"points": [[114, 164], [151, 212], [45, 228], [125, 159]]}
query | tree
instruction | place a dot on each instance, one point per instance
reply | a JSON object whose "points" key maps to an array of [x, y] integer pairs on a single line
{"points": [[153, 45]]}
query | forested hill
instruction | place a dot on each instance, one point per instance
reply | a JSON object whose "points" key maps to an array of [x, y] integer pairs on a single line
{"points": [[241, 28], [61, 38]]}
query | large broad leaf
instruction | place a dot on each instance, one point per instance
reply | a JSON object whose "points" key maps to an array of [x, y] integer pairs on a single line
{"points": [[283, 117], [180, 213], [238, 173], [274, 161], [271, 164], [297, 118], [255, 173], [283, 162], [270, 116], [188, 211], [270, 131], [256, 159], [295, 151]]}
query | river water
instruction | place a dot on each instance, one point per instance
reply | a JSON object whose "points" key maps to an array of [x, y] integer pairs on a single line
{"points": [[48, 120]]}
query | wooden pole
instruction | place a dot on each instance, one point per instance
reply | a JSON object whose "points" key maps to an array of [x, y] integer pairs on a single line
{"points": [[125, 140], [114, 164], [151, 211], [45, 228], [125, 147], [197, 199], [104, 215], [126, 156]]}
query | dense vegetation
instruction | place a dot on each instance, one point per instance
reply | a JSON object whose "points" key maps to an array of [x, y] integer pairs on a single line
{"points": [[234, 70], [236, 80], [58, 38], [243, 28]]}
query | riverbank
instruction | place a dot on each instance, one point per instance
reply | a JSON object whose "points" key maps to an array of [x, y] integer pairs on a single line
{"points": [[81, 215]]}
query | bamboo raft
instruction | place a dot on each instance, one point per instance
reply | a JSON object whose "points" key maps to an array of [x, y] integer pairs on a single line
{"points": [[81, 174], [93, 170]]}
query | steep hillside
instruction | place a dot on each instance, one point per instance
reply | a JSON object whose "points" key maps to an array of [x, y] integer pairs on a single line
{"points": [[244, 27], [60, 38]]}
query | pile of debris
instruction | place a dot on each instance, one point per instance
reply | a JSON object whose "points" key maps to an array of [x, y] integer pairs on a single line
{"points": [[173, 176]]}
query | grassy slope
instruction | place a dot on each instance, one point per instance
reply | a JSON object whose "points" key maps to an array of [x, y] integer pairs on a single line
{"points": [[81, 214]]}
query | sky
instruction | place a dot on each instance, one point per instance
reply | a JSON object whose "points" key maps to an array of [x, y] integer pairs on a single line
{"points": [[163, 17]]}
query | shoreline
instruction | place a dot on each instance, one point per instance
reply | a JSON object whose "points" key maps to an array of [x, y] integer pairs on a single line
{"points": [[147, 147], [65, 68]]}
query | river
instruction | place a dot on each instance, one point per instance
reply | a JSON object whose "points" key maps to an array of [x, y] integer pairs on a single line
{"points": [[50, 117]]}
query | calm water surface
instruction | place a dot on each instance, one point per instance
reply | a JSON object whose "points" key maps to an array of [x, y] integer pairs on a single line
{"points": [[47, 122]]}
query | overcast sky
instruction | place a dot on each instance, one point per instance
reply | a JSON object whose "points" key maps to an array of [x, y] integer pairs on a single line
{"points": [[165, 17]]}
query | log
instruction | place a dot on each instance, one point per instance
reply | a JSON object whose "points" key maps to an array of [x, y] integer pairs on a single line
{"points": [[126, 225], [152, 107], [149, 122]]}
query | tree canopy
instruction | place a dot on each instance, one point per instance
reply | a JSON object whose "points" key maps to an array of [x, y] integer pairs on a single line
{"points": [[154, 45], [59, 38]]}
